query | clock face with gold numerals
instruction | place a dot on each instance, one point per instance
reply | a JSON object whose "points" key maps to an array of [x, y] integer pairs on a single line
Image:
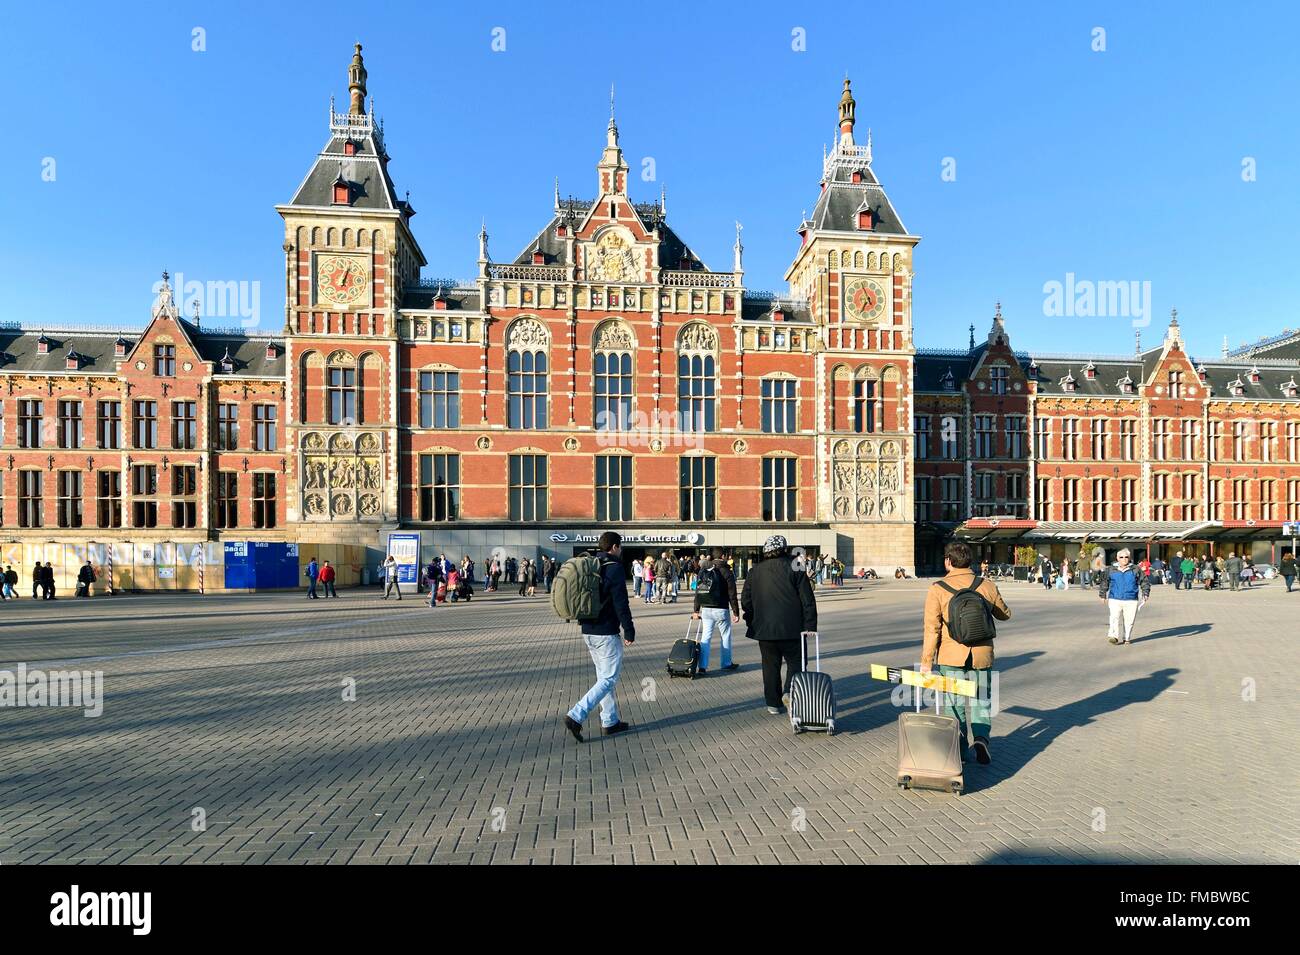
{"points": [[341, 279], [864, 300]]}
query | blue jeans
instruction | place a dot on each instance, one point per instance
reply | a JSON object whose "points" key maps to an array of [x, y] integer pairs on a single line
{"points": [[981, 721], [607, 653], [311, 590], [711, 617]]}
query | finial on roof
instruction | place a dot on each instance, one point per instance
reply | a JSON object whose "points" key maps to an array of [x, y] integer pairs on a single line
{"points": [[1173, 317], [738, 248], [557, 193], [357, 83], [868, 145], [972, 336], [1225, 346], [663, 199], [1137, 341], [196, 313], [847, 109]]}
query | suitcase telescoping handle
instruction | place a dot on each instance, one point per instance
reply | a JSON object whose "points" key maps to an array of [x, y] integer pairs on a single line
{"points": [[690, 622], [817, 640]]}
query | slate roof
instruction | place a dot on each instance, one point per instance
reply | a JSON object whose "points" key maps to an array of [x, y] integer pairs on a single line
{"points": [[1052, 369], [96, 351], [757, 307], [931, 365], [18, 350], [1285, 345], [366, 172], [458, 299], [837, 206]]}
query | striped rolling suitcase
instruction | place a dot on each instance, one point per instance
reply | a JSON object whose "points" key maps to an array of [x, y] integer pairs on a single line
{"points": [[812, 697]]}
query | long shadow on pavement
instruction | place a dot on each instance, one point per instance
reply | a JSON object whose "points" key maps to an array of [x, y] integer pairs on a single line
{"points": [[1013, 752], [1184, 631]]}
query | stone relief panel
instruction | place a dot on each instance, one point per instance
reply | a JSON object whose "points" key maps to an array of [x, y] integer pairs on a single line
{"points": [[866, 481], [342, 476]]}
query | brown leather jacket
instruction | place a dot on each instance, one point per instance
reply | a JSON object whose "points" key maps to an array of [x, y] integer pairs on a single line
{"points": [[936, 642]]}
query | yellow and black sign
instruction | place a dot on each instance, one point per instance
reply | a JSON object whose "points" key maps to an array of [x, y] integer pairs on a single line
{"points": [[926, 681]]}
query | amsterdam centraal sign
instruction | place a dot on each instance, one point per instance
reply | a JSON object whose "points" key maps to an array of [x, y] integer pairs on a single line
{"points": [[691, 538]]}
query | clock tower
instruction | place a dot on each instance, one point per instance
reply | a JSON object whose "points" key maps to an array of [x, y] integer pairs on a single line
{"points": [[349, 253], [854, 268]]}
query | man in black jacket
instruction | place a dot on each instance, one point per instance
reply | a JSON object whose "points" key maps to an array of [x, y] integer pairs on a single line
{"points": [[47, 575], [601, 637], [779, 607], [86, 579], [715, 604], [38, 580]]}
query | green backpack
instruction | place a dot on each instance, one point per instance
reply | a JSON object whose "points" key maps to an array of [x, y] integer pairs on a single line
{"points": [[575, 595]]}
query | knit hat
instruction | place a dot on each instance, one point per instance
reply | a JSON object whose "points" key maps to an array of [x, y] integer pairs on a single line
{"points": [[774, 544]]}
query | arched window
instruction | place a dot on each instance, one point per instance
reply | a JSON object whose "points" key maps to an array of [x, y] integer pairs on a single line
{"points": [[526, 375], [613, 382], [697, 382], [868, 414], [341, 389], [840, 386]]}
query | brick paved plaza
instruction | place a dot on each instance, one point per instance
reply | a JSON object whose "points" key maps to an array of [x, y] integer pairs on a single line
{"points": [[454, 749]]}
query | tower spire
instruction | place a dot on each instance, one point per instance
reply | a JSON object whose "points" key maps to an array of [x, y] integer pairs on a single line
{"points": [[612, 168], [357, 83], [847, 108], [739, 250]]}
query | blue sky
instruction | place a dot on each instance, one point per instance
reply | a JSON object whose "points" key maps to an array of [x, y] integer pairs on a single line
{"points": [[1122, 165]]}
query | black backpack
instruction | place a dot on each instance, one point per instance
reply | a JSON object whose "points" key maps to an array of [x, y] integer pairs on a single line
{"points": [[710, 582], [970, 618]]}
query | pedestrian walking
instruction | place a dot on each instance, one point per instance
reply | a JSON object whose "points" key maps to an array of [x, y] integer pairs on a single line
{"points": [[1176, 569], [38, 581], [1189, 572], [313, 575], [601, 636], [388, 569], [663, 578], [85, 579], [1045, 572], [47, 575], [552, 568], [1065, 572], [1233, 567], [779, 606], [1288, 570], [1125, 589], [716, 608], [638, 577], [961, 660], [11, 583], [648, 571], [327, 576]]}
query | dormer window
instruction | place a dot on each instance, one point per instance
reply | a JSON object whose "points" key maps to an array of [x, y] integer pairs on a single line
{"points": [[1090, 372], [1125, 385], [72, 362], [1254, 375], [539, 257], [227, 362], [1202, 373], [342, 194], [857, 176], [778, 313], [1068, 383], [440, 300], [685, 264], [349, 148], [1291, 389], [947, 381], [272, 353], [1237, 387], [866, 220], [119, 348], [561, 230], [42, 346]]}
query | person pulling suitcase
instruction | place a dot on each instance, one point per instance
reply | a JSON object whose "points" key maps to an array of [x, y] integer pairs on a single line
{"points": [[959, 630], [778, 606]]}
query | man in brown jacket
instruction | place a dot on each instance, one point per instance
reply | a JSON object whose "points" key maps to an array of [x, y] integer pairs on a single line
{"points": [[958, 660]]}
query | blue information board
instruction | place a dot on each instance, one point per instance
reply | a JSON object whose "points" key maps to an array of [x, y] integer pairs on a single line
{"points": [[405, 549], [261, 565]]}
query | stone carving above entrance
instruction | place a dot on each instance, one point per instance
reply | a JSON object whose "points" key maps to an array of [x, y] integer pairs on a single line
{"points": [[866, 480], [342, 476]]}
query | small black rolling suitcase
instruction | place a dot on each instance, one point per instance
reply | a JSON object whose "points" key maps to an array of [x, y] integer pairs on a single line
{"points": [[684, 657], [812, 697]]}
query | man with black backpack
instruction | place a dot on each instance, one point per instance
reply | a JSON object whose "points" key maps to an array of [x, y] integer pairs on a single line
{"points": [[716, 606], [592, 589], [959, 632]]}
